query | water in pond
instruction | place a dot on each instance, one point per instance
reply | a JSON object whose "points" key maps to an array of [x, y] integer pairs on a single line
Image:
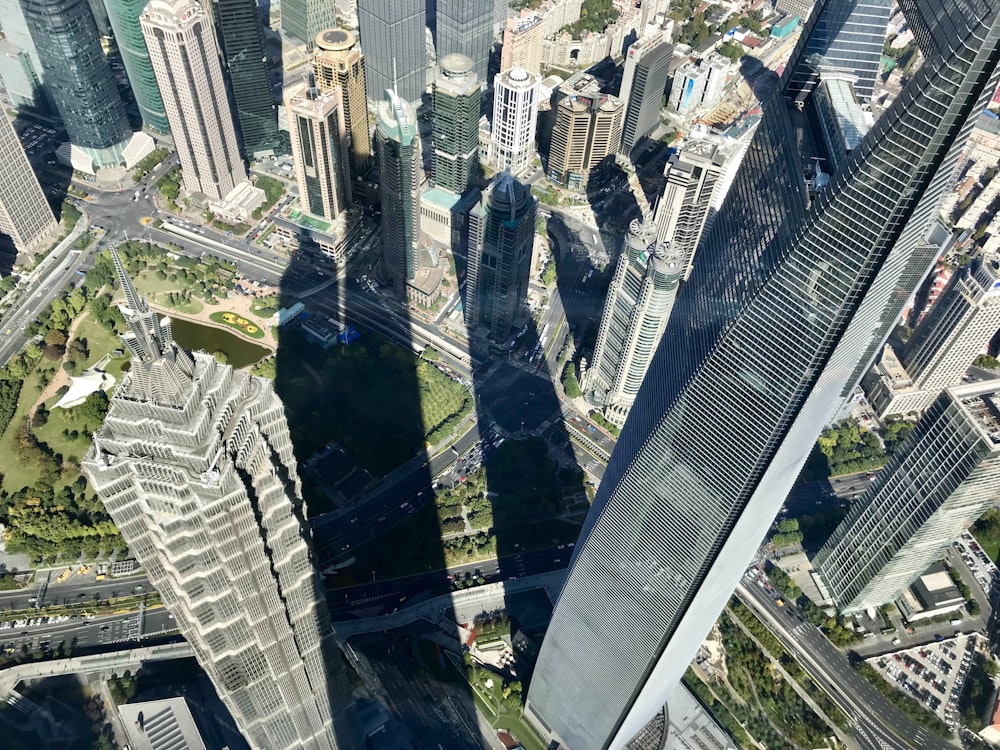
{"points": [[195, 336]]}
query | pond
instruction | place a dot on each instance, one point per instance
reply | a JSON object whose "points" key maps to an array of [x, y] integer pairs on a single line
{"points": [[195, 336]]}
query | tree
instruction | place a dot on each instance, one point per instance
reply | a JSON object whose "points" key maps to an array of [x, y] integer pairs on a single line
{"points": [[569, 381], [55, 338]]}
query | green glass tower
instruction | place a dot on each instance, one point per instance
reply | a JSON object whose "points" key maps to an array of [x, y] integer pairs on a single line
{"points": [[124, 17], [457, 95]]}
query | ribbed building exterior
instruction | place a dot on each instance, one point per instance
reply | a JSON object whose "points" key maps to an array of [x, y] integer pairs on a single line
{"points": [[393, 36], [587, 129], [182, 48], [319, 150], [457, 100], [644, 82], [790, 300], [124, 18], [515, 117], [25, 215], [21, 72], [522, 43], [241, 40], [636, 311], [465, 27], [304, 19], [338, 62], [194, 463], [938, 482], [78, 78], [944, 344], [397, 144], [501, 235]]}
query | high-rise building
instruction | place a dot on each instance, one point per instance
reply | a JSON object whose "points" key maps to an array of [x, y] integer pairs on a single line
{"points": [[699, 85], [636, 312], [78, 78], [587, 129], [304, 19], [644, 81], [522, 43], [789, 302], [937, 483], [394, 39], [397, 143], [942, 347], [501, 234], [21, 73], [182, 48], [466, 27], [194, 464], [338, 62], [124, 18], [515, 116], [25, 215], [241, 40], [457, 99], [319, 150]]}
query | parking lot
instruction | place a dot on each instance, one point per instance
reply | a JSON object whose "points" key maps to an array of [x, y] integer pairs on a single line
{"points": [[984, 569], [933, 674]]}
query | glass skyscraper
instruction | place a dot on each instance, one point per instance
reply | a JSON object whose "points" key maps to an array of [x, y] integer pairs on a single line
{"points": [[793, 294], [466, 27], [457, 96], [124, 18], [393, 37]]}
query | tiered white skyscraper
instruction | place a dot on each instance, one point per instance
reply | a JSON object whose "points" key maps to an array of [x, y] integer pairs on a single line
{"points": [[194, 463], [515, 115]]}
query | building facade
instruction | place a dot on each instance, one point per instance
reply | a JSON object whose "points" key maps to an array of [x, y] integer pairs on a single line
{"points": [[636, 312], [124, 18], [182, 48], [25, 215], [501, 235], [397, 144], [194, 464], [319, 150], [393, 37], [938, 482], [21, 72], [522, 43], [787, 306], [304, 19], [699, 86], [457, 100], [338, 62], [466, 28], [587, 129], [644, 82], [515, 117]]}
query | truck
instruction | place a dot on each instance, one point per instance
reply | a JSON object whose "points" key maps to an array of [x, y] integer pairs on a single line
{"points": [[64, 575]]}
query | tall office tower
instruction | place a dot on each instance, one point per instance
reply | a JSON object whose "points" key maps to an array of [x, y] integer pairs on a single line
{"points": [[466, 27], [241, 40], [457, 97], [338, 62], [786, 308], [319, 150], [636, 312], [25, 215], [124, 18], [397, 143], [394, 40], [644, 82], [185, 58], [501, 234], [21, 73], [938, 482], [942, 347], [522, 43], [78, 78], [194, 463], [515, 116], [304, 19], [587, 129]]}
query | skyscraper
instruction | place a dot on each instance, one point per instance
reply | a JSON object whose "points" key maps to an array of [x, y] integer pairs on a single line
{"points": [[124, 18], [457, 97], [304, 19], [397, 143], [644, 82], [515, 116], [185, 58], [636, 312], [194, 463], [942, 347], [21, 73], [319, 149], [338, 62], [466, 27], [587, 129], [938, 482], [242, 42], [393, 37], [501, 234], [789, 302], [522, 43], [78, 78], [25, 215]]}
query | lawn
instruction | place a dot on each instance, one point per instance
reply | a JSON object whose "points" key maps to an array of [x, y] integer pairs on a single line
{"points": [[990, 547], [100, 341], [238, 325], [17, 474], [147, 283]]}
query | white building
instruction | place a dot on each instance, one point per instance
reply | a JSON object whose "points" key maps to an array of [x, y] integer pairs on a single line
{"points": [[25, 215], [515, 115]]}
